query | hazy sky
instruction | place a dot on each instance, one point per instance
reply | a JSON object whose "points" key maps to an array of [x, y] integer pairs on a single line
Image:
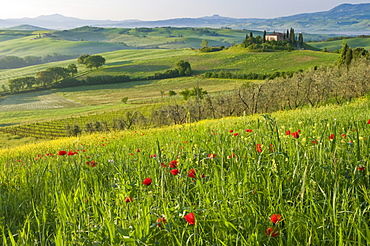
{"points": [[164, 9]]}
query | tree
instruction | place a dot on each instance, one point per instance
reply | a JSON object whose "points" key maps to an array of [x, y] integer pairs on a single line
{"points": [[72, 69], [292, 36], [300, 39], [204, 43], [183, 67], [94, 61], [264, 36], [58, 73], [82, 59], [44, 77], [345, 54]]}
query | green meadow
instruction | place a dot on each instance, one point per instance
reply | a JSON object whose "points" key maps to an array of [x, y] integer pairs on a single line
{"points": [[337, 44], [233, 181]]}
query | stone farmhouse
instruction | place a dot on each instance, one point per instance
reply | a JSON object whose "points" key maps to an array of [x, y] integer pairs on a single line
{"points": [[277, 36]]}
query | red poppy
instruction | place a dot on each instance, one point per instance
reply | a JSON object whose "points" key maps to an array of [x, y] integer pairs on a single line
{"points": [[287, 132], [163, 165], [231, 131], [128, 199], [190, 218], [138, 150], [361, 168], [275, 218], [249, 130], [258, 148], [295, 134], [211, 155], [72, 153], [153, 156], [331, 136], [62, 152], [174, 164], [271, 232], [344, 135], [314, 141], [236, 134], [147, 181], [161, 221], [368, 122], [191, 173], [91, 163], [174, 171]]}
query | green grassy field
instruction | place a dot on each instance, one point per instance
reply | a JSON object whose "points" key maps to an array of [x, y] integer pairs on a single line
{"points": [[235, 181], [337, 44], [143, 63]]}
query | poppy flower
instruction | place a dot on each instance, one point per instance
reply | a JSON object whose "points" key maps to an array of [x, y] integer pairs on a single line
{"points": [[361, 168], [295, 134], [174, 164], [231, 131], [236, 134], [91, 163], [174, 171], [62, 152], [161, 221], [147, 181], [271, 232], [331, 136], [287, 133], [258, 148], [71, 153], [211, 155], [275, 218], [128, 199], [190, 218], [249, 130], [191, 173], [368, 122]]}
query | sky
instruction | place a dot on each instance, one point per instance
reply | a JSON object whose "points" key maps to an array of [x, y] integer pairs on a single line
{"points": [[164, 9]]}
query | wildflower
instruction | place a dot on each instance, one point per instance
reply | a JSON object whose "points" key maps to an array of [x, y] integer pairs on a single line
{"points": [[314, 141], [231, 131], [248, 130], [258, 148], [174, 164], [62, 152], [287, 132], [153, 156], [174, 171], [344, 135], [331, 136], [236, 134], [128, 199], [361, 168], [91, 163], [147, 181], [138, 150], [191, 173], [211, 155], [271, 232], [190, 218], [368, 122], [275, 218], [295, 134], [163, 165], [161, 221], [71, 153]]}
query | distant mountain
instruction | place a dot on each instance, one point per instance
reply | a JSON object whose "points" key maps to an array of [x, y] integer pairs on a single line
{"points": [[26, 28], [345, 18]]}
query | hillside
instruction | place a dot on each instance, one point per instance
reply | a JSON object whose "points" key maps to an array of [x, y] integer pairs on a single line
{"points": [[337, 44], [247, 180]]}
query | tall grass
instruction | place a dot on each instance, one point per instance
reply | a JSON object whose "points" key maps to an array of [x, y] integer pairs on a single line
{"points": [[318, 183]]}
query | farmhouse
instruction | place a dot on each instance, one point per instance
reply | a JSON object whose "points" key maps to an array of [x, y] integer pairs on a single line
{"points": [[277, 36]]}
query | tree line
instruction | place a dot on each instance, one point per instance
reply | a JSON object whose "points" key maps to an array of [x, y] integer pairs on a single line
{"points": [[62, 77], [10, 62]]}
